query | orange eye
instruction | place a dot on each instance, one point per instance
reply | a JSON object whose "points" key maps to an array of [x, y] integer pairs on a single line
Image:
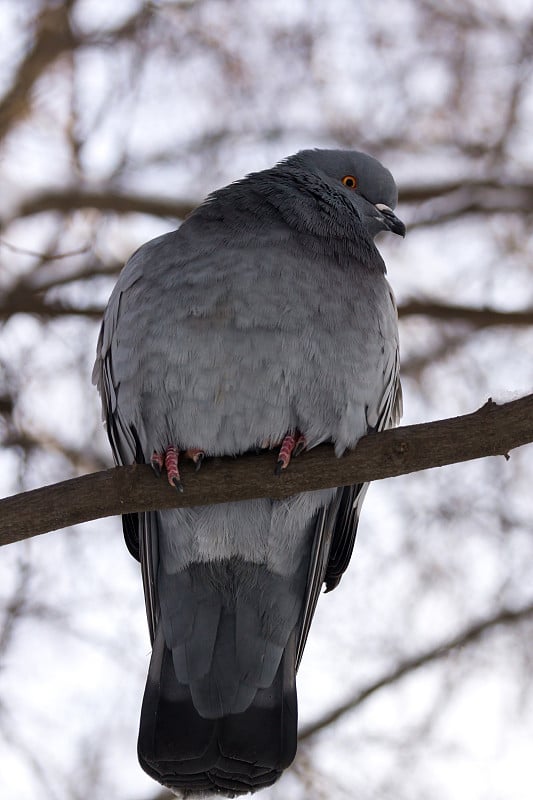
{"points": [[350, 181]]}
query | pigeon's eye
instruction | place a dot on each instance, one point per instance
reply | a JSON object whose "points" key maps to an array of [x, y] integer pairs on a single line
{"points": [[350, 181]]}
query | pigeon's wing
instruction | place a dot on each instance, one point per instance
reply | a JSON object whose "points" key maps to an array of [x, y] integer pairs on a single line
{"points": [[124, 444], [141, 539], [336, 525], [389, 412]]}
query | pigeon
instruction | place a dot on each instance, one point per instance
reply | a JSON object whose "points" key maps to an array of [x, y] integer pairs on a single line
{"points": [[265, 321]]}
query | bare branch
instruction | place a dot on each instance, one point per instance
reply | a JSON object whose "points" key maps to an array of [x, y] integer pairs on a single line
{"points": [[511, 193], [44, 256], [81, 459], [24, 297], [15, 606], [53, 37], [470, 635], [445, 202], [108, 199], [449, 342], [492, 430], [449, 199], [477, 317]]}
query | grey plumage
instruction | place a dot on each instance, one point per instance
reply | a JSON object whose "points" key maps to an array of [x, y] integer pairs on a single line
{"points": [[266, 312]]}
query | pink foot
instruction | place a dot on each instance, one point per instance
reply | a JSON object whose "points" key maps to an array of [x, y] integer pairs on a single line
{"points": [[196, 455], [168, 460], [291, 446]]}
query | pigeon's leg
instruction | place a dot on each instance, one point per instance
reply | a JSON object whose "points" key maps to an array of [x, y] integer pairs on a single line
{"points": [[291, 446], [196, 455], [168, 460]]}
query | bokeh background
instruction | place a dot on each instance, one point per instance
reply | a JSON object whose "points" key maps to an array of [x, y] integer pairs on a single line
{"points": [[115, 120]]}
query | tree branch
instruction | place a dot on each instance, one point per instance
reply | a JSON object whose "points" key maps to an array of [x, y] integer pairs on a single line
{"points": [[489, 194], [440, 201], [477, 317], [466, 637], [492, 430], [74, 198], [53, 37], [23, 297]]}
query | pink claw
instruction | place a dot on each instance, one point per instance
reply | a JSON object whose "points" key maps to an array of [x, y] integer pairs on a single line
{"points": [[196, 455], [291, 446], [158, 462], [300, 444], [169, 461]]}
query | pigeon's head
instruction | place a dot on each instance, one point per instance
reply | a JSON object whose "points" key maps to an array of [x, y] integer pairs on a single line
{"points": [[356, 179]]}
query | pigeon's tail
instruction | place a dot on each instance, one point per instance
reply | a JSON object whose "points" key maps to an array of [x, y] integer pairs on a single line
{"points": [[231, 755]]}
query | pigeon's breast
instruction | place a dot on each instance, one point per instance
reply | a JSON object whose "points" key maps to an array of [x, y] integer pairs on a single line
{"points": [[232, 359]]}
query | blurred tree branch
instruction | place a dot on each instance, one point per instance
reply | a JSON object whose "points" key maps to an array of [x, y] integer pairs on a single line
{"points": [[470, 635], [53, 37], [15, 606], [74, 198], [442, 201], [29, 442], [25, 297], [475, 317], [492, 430]]}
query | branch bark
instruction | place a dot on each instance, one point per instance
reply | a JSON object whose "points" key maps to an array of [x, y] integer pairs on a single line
{"points": [[492, 430]]}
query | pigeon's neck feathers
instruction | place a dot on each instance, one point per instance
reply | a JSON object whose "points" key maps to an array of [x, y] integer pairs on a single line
{"points": [[294, 202]]}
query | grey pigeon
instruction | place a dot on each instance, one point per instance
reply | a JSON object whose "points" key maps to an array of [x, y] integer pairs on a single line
{"points": [[266, 320]]}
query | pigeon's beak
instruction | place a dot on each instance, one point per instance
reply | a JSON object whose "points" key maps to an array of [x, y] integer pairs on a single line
{"points": [[390, 220]]}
